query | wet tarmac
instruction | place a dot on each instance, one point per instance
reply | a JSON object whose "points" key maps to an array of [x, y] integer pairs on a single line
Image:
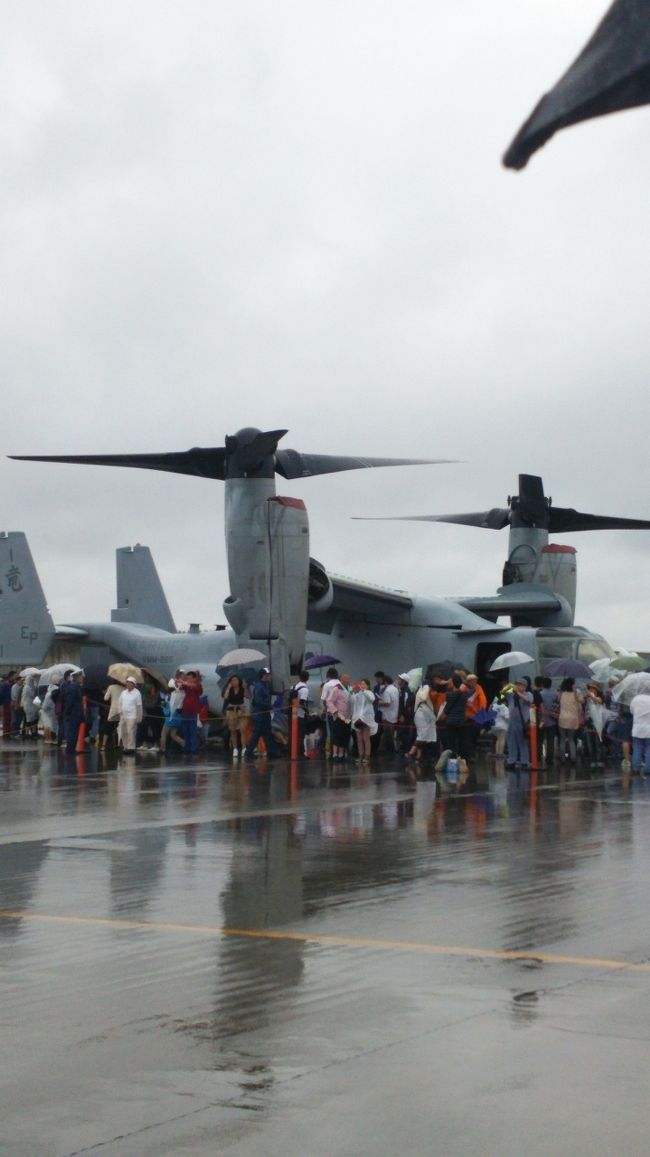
{"points": [[199, 959]]}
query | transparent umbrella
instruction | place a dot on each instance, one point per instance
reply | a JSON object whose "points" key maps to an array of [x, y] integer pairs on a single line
{"points": [[240, 656], [56, 672], [511, 659], [637, 683]]}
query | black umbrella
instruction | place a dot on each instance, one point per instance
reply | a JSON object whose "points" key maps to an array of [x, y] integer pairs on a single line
{"points": [[444, 669], [611, 73], [95, 677]]}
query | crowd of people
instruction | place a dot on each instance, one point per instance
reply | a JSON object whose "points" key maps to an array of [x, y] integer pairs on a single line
{"points": [[118, 716], [446, 718]]}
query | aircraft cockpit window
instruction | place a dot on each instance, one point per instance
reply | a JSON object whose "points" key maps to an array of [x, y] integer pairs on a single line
{"points": [[591, 649], [554, 648]]}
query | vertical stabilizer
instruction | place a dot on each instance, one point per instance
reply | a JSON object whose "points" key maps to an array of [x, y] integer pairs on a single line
{"points": [[26, 627], [140, 596]]}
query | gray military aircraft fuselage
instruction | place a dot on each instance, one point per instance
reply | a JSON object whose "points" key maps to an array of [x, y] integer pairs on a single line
{"points": [[287, 605]]}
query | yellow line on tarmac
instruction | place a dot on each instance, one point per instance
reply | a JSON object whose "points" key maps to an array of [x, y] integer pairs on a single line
{"points": [[317, 938]]}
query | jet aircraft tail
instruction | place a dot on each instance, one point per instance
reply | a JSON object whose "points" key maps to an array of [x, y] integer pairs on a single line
{"points": [[26, 627], [140, 596]]}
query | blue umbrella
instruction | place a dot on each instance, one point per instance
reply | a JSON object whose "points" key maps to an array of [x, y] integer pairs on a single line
{"points": [[484, 718], [568, 669]]}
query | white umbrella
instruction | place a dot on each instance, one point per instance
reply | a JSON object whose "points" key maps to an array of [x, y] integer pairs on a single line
{"points": [[511, 659], [414, 678], [636, 684], [240, 656], [606, 669], [57, 671]]}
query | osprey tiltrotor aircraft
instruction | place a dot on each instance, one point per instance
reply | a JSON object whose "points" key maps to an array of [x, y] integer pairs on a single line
{"points": [[289, 606]]}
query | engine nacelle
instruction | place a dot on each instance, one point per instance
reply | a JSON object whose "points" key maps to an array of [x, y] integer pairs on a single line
{"points": [[321, 590], [268, 562]]}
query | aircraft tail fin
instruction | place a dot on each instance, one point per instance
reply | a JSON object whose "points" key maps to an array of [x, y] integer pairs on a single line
{"points": [[26, 628], [140, 596]]}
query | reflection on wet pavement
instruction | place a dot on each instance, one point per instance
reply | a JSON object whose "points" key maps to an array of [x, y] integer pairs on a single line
{"points": [[200, 958]]}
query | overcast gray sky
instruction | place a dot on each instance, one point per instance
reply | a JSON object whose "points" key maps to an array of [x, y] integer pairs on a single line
{"points": [[294, 215]]}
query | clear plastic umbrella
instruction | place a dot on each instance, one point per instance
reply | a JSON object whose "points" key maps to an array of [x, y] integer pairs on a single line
{"points": [[56, 672], [511, 659], [637, 683], [240, 656]]}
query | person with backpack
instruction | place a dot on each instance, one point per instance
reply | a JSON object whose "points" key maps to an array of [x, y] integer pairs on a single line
{"points": [[300, 693], [261, 715]]}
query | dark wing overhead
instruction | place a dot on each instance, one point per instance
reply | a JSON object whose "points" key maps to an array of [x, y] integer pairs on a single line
{"points": [[292, 464], [199, 462], [610, 74]]}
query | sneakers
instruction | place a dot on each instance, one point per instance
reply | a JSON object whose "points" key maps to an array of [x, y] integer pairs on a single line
{"points": [[235, 753], [154, 748]]}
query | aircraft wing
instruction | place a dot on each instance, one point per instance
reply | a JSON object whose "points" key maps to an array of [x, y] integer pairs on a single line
{"points": [[353, 595], [511, 604]]}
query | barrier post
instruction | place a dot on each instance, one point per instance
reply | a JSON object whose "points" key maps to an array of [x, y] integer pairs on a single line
{"points": [[80, 749], [294, 731], [533, 737]]}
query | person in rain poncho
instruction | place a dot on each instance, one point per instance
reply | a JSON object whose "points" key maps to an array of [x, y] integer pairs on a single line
{"points": [[500, 727], [424, 719], [30, 705], [364, 723], [48, 711]]}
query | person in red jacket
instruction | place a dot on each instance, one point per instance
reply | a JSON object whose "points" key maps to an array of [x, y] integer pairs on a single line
{"points": [[191, 684]]}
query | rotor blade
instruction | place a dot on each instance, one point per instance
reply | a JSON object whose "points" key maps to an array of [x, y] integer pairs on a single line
{"points": [[530, 505], [199, 462], [611, 73], [292, 464], [494, 519], [563, 520]]}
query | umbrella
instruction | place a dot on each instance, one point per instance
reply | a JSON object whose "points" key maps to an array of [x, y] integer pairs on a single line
{"points": [[568, 668], [28, 671], [120, 671], [56, 672], [629, 662], [636, 684], [511, 659], [611, 73], [484, 718], [414, 678], [240, 656], [96, 679], [319, 661], [444, 668]]}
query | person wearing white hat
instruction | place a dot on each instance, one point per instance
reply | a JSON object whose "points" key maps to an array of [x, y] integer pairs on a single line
{"points": [[130, 702]]}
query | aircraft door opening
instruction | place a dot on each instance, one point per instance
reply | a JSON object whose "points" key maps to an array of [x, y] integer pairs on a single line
{"points": [[486, 653]]}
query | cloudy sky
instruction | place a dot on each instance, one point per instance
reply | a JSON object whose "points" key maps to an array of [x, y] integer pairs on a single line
{"points": [[294, 215]]}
